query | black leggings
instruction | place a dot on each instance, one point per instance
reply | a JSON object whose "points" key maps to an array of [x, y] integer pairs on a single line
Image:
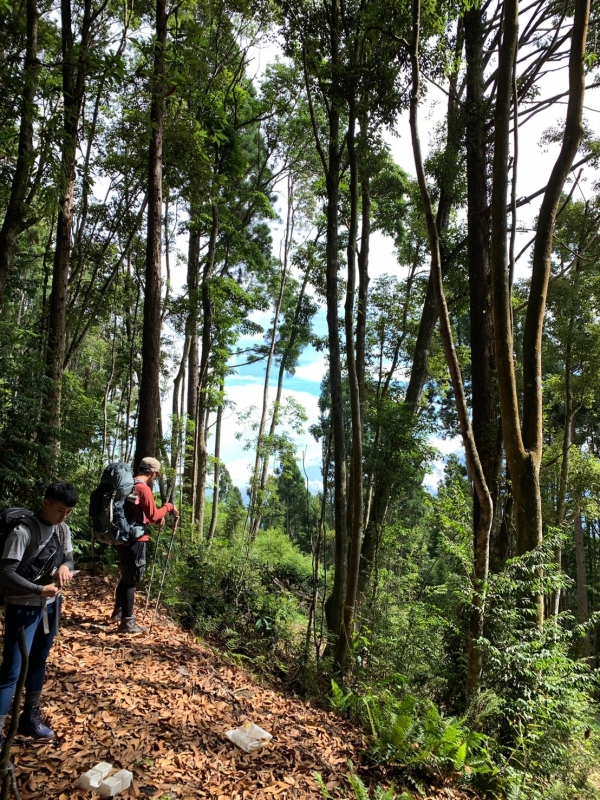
{"points": [[132, 560], [124, 598]]}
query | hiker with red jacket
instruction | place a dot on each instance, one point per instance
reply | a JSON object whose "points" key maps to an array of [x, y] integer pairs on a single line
{"points": [[141, 509], [35, 564]]}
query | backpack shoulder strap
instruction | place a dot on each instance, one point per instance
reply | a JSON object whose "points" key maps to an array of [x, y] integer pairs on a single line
{"points": [[28, 521], [62, 535]]}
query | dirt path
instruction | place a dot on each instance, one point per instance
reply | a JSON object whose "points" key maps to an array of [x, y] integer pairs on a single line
{"points": [[159, 704]]}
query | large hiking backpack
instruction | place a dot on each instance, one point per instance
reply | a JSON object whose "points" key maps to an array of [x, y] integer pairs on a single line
{"points": [[107, 507], [37, 565]]}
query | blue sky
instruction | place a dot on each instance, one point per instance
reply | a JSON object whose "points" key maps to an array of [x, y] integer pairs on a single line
{"points": [[244, 389]]}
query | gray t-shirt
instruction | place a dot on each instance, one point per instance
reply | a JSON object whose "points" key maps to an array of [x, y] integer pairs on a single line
{"points": [[28, 539]]}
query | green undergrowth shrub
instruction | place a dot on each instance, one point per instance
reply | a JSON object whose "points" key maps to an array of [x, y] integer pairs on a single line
{"points": [[531, 734], [247, 595], [413, 737], [359, 791], [546, 726]]}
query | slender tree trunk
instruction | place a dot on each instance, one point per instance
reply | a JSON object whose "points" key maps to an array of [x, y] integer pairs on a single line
{"points": [[107, 392], [203, 399], [256, 500], [15, 218], [282, 368], [265, 450], [217, 470], [73, 85], [484, 394], [177, 419], [583, 614], [570, 412], [419, 372], [355, 498], [524, 445], [475, 658], [335, 602], [193, 365], [149, 408]]}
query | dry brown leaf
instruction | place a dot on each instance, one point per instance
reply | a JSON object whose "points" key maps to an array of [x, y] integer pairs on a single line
{"points": [[159, 705]]}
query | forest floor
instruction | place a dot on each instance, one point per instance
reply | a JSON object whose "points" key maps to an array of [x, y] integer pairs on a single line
{"points": [[159, 704]]}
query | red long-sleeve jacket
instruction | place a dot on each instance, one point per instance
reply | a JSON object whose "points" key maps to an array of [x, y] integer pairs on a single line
{"points": [[144, 510]]}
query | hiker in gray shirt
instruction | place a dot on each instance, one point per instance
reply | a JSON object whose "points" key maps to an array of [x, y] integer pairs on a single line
{"points": [[35, 564]]}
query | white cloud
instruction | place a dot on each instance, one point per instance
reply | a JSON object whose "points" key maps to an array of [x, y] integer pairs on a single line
{"points": [[448, 446], [313, 370], [246, 395]]}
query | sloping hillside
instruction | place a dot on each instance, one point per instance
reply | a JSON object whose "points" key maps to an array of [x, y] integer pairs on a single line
{"points": [[159, 704]]}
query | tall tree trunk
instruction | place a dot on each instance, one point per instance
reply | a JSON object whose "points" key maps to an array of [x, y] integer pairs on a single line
{"points": [[15, 219], [217, 470], [381, 484], [486, 428], [331, 167], [203, 399], [263, 444], [568, 428], [74, 73], [282, 368], [524, 444], [419, 372], [561, 502], [193, 364], [256, 500], [177, 419], [355, 494], [475, 658], [146, 441], [583, 614]]}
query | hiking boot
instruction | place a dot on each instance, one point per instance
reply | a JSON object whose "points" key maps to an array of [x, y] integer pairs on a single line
{"points": [[116, 615], [11, 766], [30, 724], [129, 625]]}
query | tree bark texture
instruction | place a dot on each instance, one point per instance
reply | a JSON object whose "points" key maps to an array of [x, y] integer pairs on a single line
{"points": [[335, 602], [355, 494], [583, 613], [203, 387], [15, 218], [193, 364], [74, 73], [262, 457], [475, 658], [217, 469], [524, 444], [484, 391], [146, 441]]}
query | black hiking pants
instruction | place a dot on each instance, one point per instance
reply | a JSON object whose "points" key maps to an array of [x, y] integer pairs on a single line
{"points": [[132, 562]]}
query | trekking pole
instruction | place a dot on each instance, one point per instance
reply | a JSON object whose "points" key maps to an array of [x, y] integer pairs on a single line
{"points": [[164, 572], [152, 571]]}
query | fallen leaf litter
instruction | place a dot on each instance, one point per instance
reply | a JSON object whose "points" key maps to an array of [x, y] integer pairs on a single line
{"points": [[159, 704]]}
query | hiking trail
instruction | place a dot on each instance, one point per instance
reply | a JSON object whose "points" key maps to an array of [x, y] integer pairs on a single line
{"points": [[159, 704]]}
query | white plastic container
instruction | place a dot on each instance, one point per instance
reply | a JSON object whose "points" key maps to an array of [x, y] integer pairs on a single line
{"points": [[116, 784], [94, 776], [249, 737], [95, 780]]}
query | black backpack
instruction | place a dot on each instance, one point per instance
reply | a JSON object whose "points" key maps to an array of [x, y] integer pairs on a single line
{"points": [[35, 567], [107, 507]]}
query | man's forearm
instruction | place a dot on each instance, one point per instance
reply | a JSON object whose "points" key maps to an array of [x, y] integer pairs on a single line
{"points": [[10, 578]]}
